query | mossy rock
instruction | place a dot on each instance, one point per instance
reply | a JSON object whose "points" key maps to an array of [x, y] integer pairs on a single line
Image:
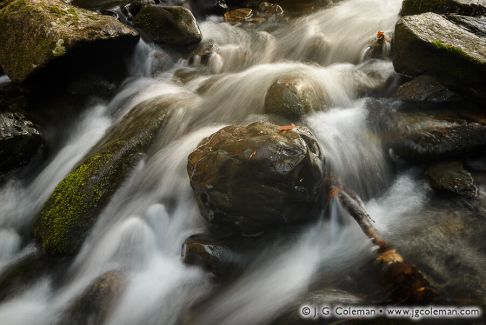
{"points": [[172, 25], [93, 306], [463, 7], [41, 33], [73, 207], [431, 44]]}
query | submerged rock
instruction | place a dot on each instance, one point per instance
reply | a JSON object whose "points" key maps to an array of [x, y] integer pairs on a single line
{"points": [[71, 210], [431, 44], [463, 7], [52, 35], [294, 96], [438, 142], [93, 306], [453, 178], [257, 176], [21, 274], [172, 25], [20, 141]]}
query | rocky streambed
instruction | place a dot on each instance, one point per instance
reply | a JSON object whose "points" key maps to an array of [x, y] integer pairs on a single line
{"points": [[226, 162]]}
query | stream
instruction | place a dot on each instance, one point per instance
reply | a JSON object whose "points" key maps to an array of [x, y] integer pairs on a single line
{"points": [[143, 227]]}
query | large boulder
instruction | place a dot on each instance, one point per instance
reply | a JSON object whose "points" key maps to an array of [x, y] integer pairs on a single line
{"points": [[451, 177], [257, 176], [20, 141], [463, 7], [172, 25], [293, 96], [37, 34], [425, 89], [431, 44], [96, 302], [73, 207]]}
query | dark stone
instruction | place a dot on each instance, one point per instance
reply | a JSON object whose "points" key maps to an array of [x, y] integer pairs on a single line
{"points": [[258, 176], [172, 25], [20, 141], [476, 25], [451, 177], [463, 7], [425, 88], [208, 7], [431, 44], [438, 142], [93, 306], [73, 207]]}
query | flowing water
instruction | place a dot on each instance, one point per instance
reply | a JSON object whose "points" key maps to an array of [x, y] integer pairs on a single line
{"points": [[143, 227]]}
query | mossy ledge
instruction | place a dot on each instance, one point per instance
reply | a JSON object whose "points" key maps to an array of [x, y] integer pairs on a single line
{"points": [[75, 204]]}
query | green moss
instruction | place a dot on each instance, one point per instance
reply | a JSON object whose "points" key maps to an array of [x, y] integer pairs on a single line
{"points": [[456, 51]]}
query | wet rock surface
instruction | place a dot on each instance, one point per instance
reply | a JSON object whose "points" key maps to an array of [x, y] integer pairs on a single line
{"points": [[20, 141], [52, 35], [451, 177], [431, 44], [294, 96], [172, 25], [442, 141], [463, 7], [278, 170], [71, 210], [95, 303], [425, 88]]}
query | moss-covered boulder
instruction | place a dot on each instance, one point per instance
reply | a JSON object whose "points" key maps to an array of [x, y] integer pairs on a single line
{"points": [[293, 96], [96, 302], [20, 141], [431, 44], [73, 207], [257, 177], [41, 34], [463, 7], [451, 177], [172, 25]]}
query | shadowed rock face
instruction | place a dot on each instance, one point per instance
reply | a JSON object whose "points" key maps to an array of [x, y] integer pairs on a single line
{"points": [[257, 176], [19, 141], [463, 7], [451, 177], [72, 209], [431, 44], [50, 33]]}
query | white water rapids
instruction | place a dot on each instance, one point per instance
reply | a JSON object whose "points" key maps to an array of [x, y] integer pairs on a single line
{"points": [[144, 225]]}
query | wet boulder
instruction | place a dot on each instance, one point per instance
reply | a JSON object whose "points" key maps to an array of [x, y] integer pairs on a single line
{"points": [[93, 306], [451, 177], [56, 40], [172, 25], [440, 141], [20, 141], [257, 176], [208, 7], [293, 96], [463, 7], [431, 44], [73, 207], [238, 16]]}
